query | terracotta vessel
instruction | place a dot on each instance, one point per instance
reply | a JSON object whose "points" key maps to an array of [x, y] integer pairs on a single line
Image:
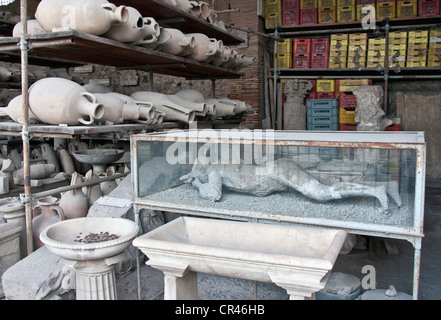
{"points": [[37, 171], [198, 107], [205, 48], [117, 110], [156, 42], [69, 104], [75, 204], [222, 109], [183, 5], [205, 10], [92, 193], [66, 161], [75, 146], [135, 29], [94, 87], [15, 112], [243, 61], [5, 74], [171, 110], [108, 186], [45, 213], [219, 57], [179, 44], [33, 27], [89, 16], [50, 156]]}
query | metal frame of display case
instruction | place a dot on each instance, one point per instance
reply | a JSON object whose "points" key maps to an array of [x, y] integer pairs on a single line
{"points": [[340, 139]]}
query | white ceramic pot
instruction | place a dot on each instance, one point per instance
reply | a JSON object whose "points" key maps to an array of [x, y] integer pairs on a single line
{"points": [[171, 110], [243, 61], [5, 74], [205, 48], [222, 109], [220, 57], [135, 29], [33, 27], [59, 101], [89, 16], [179, 44], [14, 111]]}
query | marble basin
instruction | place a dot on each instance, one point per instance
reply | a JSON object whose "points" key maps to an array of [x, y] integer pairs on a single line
{"points": [[296, 258], [62, 238]]}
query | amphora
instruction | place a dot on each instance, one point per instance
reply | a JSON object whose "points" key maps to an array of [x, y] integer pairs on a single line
{"points": [[45, 213]]}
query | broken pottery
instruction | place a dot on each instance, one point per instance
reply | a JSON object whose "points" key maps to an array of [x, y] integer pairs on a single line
{"points": [[171, 110], [70, 104], [89, 16], [45, 213], [74, 202], [179, 44], [135, 29]]}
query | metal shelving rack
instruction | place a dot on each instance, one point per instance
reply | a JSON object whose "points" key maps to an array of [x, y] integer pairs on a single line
{"points": [[71, 48]]}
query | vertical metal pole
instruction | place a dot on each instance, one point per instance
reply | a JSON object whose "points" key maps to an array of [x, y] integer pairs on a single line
{"points": [[386, 69], [416, 268], [25, 129], [275, 116]]}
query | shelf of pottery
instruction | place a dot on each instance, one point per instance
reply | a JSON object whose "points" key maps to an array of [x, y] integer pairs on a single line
{"points": [[178, 38], [121, 36]]}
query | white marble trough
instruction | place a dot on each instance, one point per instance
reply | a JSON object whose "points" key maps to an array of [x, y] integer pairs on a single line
{"points": [[298, 259]]}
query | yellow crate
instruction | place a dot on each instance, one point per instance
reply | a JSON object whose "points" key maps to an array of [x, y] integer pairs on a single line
{"points": [[359, 51], [435, 32], [325, 85], [434, 62], [398, 41], [339, 53], [333, 65], [378, 54], [418, 34], [346, 14], [326, 15], [284, 61], [417, 46], [326, 3], [345, 3], [346, 116], [395, 47], [338, 59], [273, 20], [284, 46], [272, 6], [359, 11], [357, 65], [398, 35], [343, 83], [416, 64], [406, 9], [308, 4], [341, 37], [417, 52], [376, 41], [360, 37], [434, 52], [386, 10]]}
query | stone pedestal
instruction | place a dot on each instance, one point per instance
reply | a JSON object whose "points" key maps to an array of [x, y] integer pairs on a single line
{"points": [[294, 115], [14, 211], [95, 280], [9, 247]]}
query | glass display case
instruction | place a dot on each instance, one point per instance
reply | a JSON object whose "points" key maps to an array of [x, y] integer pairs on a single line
{"points": [[369, 183]]}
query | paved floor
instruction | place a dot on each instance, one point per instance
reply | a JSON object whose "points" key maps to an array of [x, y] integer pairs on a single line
{"points": [[396, 270]]}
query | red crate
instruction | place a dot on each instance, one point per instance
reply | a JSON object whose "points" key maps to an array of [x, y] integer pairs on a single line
{"points": [[347, 127], [428, 7], [300, 61], [320, 45], [308, 16], [290, 5], [347, 100], [361, 2], [302, 46], [326, 95], [319, 60], [291, 18], [393, 127]]}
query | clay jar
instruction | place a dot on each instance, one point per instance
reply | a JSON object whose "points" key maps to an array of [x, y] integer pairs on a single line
{"points": [[171, 110], [33, 27], [59, 101], [183, 5], [136, 28], [92, 193], [15, 112], [156, 42], [5, 74], [89, 16], [50, 156], [44, 214], [205, 48], [179, 44], [75, 204]]}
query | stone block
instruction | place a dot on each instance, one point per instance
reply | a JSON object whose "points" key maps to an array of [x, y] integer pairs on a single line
{"points": [[9, 247]]}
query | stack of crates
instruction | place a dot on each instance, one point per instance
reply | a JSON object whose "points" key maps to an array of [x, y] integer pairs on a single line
{"points": [[308, 12], [290, 12], [338, 51], [319, 53], [397, 49], [359, 9], [327, 11], [376, 52], [302, 53], [417, 48], [434, 58], [273, 13], [346, 10], [284, 54], [348, 102], [386, 9], [325, 89], [406, 8], [357, 50], [428, 7], [322, 114]]}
